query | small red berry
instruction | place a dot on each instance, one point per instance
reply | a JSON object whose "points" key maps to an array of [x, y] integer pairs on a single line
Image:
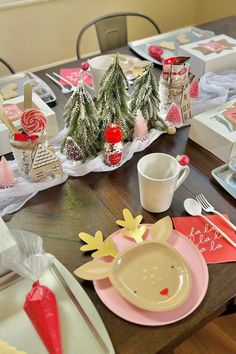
{"points": [[84, 66]]}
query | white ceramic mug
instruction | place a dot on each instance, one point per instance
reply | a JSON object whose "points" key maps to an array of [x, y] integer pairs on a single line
{"points": [[158, 176], [98, 67]]}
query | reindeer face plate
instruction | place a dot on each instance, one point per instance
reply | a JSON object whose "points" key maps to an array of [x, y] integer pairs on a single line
{"points": [[151, 275]]}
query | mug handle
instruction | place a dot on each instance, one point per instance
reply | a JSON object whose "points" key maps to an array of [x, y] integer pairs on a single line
{"points": [[184, 175]]}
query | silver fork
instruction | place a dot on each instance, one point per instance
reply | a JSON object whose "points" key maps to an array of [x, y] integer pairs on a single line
{"points": [[63, 89], [210, 209], [73, 87]]}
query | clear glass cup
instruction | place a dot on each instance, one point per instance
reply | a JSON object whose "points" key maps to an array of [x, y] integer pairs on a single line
{"points": [[23, 152]]}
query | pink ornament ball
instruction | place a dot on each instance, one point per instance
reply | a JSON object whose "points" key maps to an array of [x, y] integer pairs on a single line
{"points": [[183, 160]]}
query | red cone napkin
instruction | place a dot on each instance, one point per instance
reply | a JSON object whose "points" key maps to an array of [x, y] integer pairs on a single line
{"points": [[41, 307]]}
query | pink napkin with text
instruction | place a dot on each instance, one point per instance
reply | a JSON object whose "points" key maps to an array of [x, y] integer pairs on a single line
{"points": [[214, 247], [73, 76]]}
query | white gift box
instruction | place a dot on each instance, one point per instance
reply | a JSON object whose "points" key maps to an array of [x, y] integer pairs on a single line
{"points": [[210, 55], [51, 125], [215, 130]]}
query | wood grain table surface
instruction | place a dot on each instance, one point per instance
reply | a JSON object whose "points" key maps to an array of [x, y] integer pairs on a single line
{"points": [[95, 201]]}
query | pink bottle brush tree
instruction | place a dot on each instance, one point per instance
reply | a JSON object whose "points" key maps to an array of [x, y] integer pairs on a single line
{"points": [[140, 127], [7, 178]]}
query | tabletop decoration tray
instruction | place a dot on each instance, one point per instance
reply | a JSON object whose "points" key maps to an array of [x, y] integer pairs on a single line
{"points": [[45, 92], [223, 176], [79, 333], [187, 34]]}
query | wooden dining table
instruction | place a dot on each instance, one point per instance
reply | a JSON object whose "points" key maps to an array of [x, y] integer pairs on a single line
{"points": [[95, 201]]}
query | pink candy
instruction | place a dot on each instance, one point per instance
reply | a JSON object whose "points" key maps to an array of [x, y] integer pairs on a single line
{"points": [[12, 111], [33, 121]]}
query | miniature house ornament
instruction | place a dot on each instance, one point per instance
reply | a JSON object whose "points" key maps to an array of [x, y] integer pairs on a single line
{"points": [[173, 88], [45, 163], [73, 151]]}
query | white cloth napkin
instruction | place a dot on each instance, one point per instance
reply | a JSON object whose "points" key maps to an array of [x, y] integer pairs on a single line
{"points": [[12, 199], [215, 89]]}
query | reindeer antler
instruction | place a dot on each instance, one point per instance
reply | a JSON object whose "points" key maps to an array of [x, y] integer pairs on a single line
{"points": [[104, 248], [131, 226]]}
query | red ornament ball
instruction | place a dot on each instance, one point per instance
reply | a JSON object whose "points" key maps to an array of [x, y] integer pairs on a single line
{"points": [[183, 160], [113, 134], [84, 66]]}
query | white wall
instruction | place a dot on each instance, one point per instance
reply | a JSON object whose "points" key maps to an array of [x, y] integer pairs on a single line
{"points": [[209, 10], [43, 33]]}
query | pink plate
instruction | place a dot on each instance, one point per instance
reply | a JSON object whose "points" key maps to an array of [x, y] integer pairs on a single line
{"points": [[122, 308]]}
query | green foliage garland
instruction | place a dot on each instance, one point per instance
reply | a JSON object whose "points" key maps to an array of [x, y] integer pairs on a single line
{"points": [[146, 99], [81, 118], [112, 102]]}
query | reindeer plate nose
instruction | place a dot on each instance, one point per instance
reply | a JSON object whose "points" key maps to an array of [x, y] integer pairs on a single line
{"points": [[164, 292]]}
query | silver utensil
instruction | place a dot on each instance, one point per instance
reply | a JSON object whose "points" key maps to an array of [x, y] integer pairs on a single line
{"points": [[73, 87], [206, 206], [195, 209], [81, 310], [63, 89]]}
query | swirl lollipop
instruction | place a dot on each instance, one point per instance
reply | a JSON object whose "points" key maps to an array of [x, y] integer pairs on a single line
{"points": [[33, 121]]}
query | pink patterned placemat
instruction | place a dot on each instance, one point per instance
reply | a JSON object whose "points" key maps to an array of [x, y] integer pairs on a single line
{"points": [[73, 76], [214, 247]]}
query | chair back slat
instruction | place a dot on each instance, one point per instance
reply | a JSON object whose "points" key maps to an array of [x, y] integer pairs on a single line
{"points": [[111, 30], [111, 33], [7, 65]]}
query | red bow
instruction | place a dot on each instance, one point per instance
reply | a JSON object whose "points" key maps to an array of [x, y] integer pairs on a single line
{"points": [[24, 137]]}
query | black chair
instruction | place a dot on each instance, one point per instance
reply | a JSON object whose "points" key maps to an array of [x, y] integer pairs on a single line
{"points": [[111, 30], [9, 67]]}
